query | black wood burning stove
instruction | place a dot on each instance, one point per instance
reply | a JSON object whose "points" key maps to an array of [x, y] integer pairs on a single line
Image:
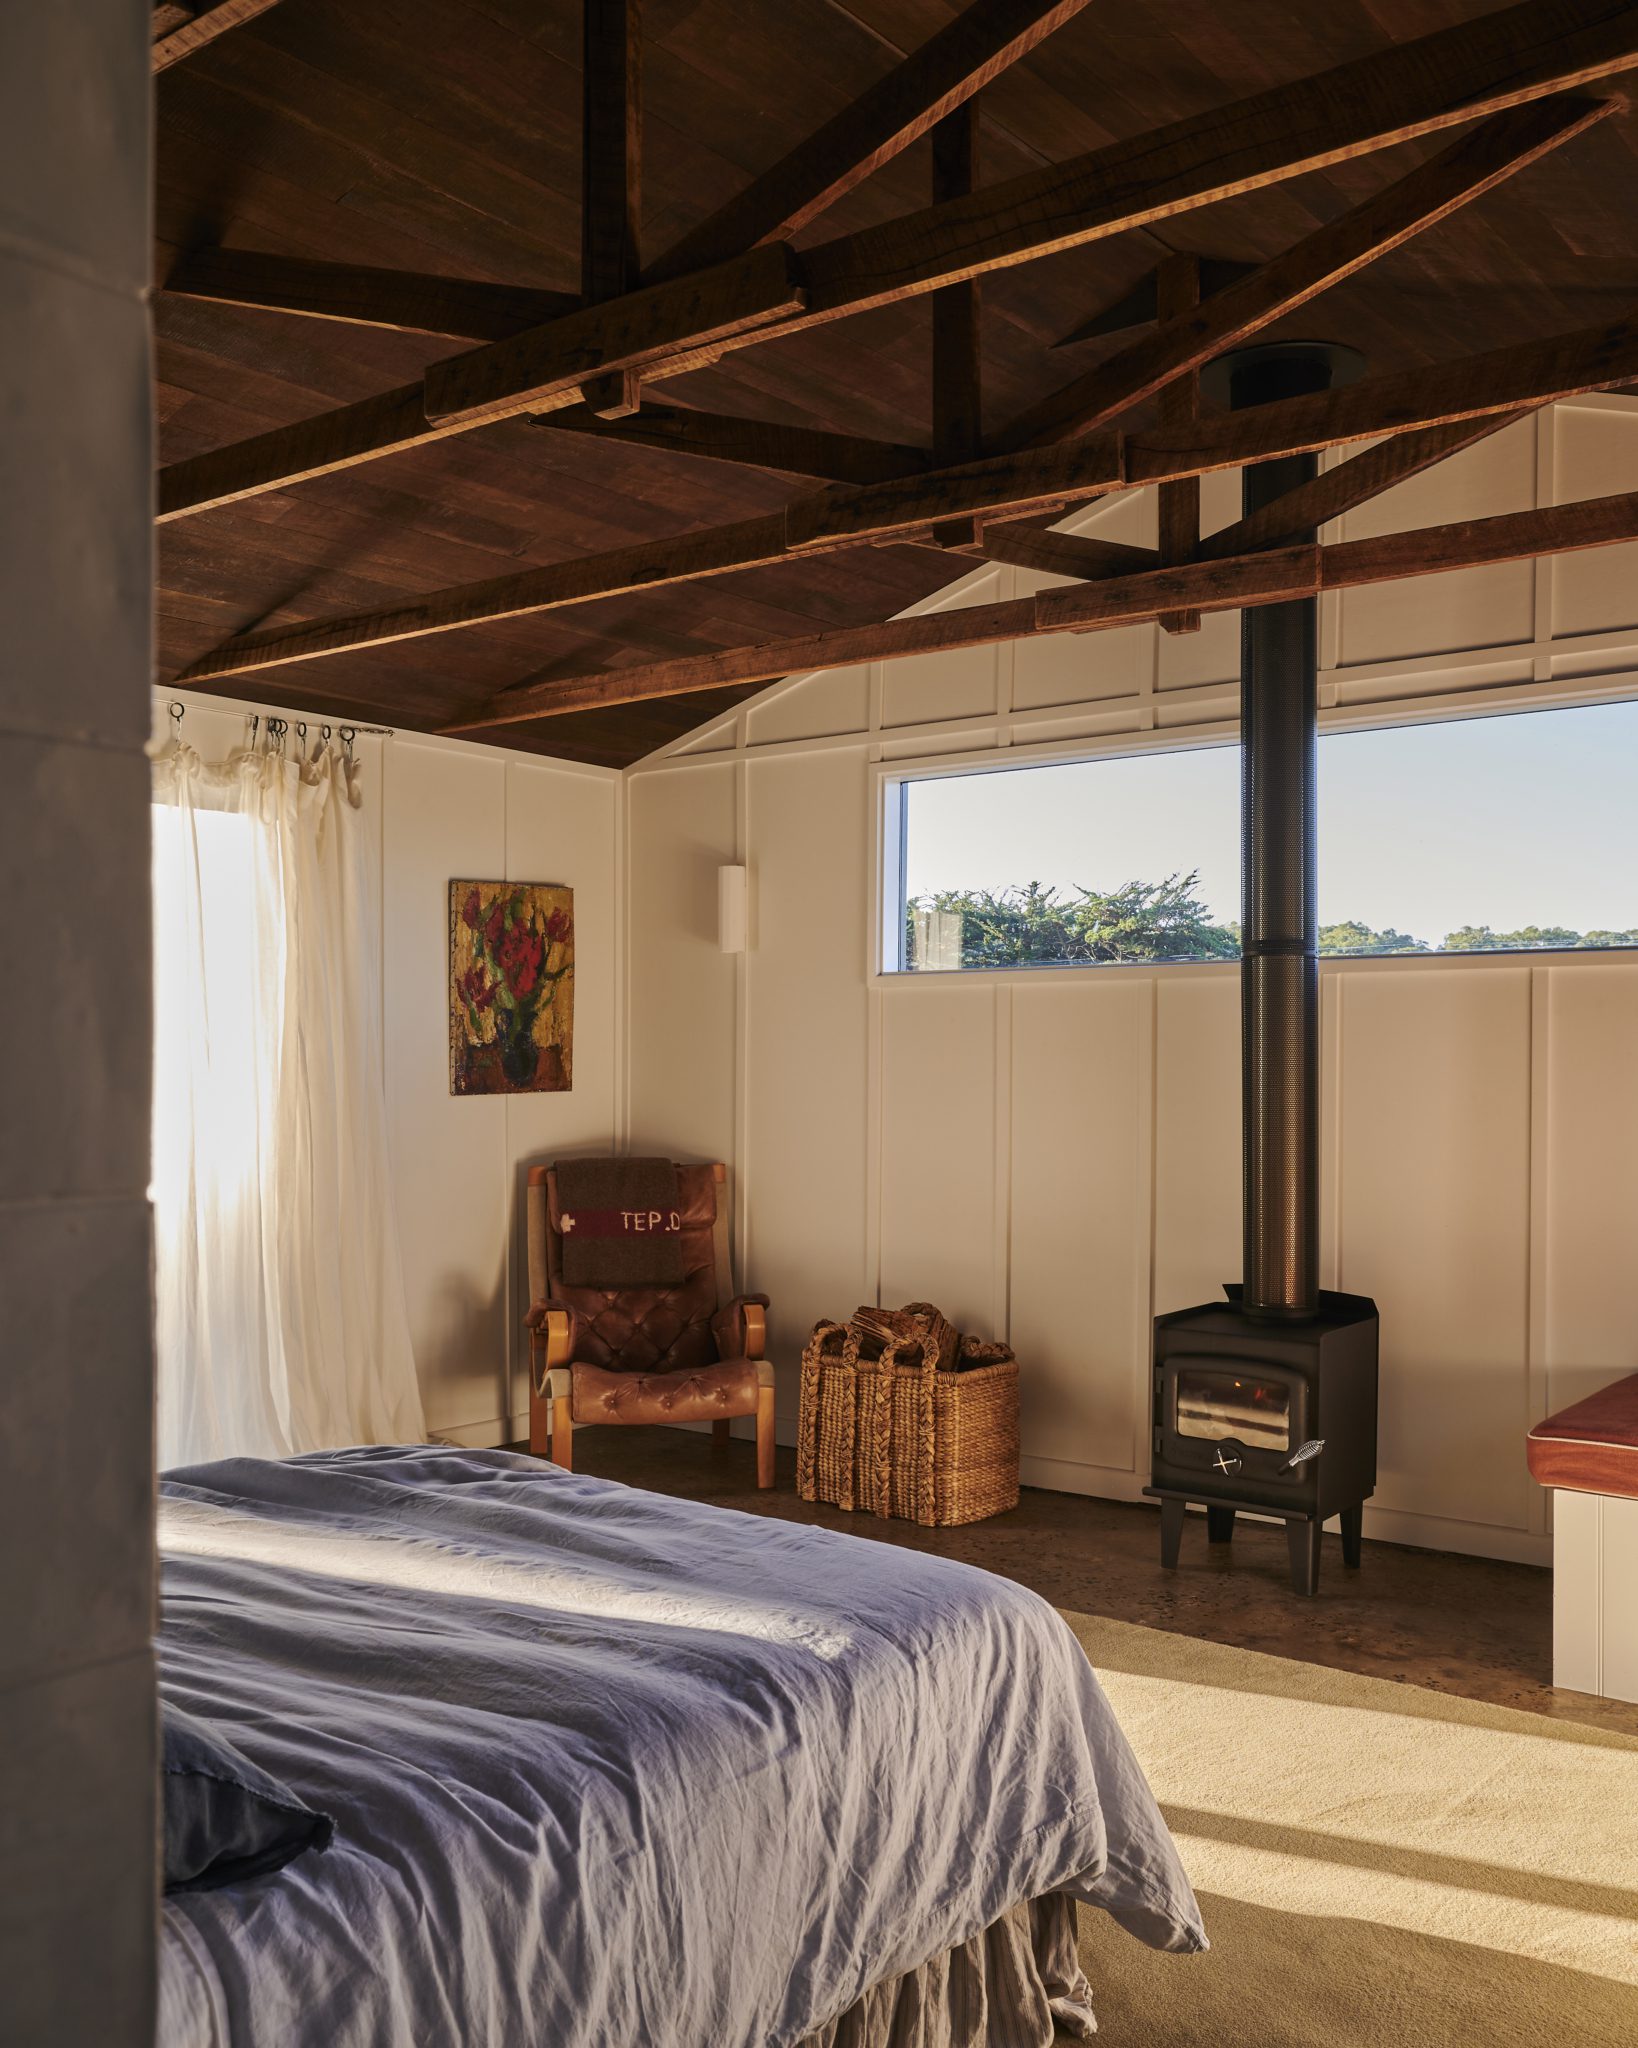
{"points": [[1267, 1400]]}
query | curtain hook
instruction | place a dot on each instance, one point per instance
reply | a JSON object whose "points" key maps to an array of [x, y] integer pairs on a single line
{"points": [[348, 735], [255, 726]]}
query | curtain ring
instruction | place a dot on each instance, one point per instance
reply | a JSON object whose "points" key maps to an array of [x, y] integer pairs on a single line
{"points": [[301, 729], [324, 734], [177, 709], [348, 735], [255, 726]]}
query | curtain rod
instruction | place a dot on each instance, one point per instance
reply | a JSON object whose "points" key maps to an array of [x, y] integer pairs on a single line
{"points": [[178, 711]]}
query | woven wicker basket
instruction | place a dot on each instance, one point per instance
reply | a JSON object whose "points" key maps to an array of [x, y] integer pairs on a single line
{"points": [[901, 1417]]}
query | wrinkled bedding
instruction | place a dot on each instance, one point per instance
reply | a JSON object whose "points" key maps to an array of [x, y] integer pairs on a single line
{"points": [[609, 1768]]}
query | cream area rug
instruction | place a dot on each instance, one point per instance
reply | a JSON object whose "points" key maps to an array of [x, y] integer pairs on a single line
{"points": [[1376, 1863]]}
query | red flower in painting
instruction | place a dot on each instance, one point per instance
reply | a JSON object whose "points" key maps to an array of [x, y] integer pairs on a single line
{"points": [[494, 924], [469, 910], [557, 927], [520, 954], [478, 989]]}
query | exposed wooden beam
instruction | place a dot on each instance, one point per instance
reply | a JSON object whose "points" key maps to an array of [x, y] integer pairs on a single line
{"points": [[365, 297], [672, 325], [1362, 477], [204, 26], [611, 148], [1500, 381], [754, 444], [1065, 554], [611, 159], [841, 517], [1190, 334], [1141, 305], [958, 401], [1177, 297], [1270, 577], [170, 14], [930, 83], [1523, 53]]}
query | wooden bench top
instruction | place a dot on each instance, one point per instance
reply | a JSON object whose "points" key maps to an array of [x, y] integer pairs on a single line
{"points": [[1592, 1446]]}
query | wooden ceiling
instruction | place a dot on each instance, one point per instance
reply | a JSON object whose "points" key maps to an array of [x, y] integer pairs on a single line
{"points": [[443, 136]]}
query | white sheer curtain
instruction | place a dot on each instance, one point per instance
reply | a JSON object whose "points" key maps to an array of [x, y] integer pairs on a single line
{"points": [[280, 1301]]}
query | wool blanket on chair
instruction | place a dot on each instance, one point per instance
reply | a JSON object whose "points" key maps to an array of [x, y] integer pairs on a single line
{"points": [[620, 1222]]}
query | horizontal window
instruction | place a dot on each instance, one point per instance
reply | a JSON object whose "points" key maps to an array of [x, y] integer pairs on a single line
{"points": [[1496, 834]]}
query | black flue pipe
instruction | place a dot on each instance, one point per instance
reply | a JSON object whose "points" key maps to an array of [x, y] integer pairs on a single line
{"points": [[1279, 973]]}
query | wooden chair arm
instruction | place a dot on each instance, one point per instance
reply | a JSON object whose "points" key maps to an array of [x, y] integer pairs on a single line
{"points": [[551, 1335], [741, 1327]]}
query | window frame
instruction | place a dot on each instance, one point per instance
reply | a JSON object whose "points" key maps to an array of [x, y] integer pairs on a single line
{"points": [[885, 963]]}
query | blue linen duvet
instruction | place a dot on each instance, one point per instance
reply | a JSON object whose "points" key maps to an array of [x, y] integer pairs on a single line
{"points": [[613, 1770]]}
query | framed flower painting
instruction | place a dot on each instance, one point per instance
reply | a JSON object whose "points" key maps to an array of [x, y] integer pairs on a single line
{"points": [[511, 988]]}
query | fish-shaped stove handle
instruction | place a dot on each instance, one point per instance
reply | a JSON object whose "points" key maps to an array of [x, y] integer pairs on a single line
{"points": [[1303, 1452]]}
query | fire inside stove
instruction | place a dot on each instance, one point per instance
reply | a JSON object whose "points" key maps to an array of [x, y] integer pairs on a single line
{"points": [[1214, 1404]]}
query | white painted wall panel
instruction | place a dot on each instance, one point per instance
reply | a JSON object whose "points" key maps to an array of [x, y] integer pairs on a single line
{"points": [[938, 1168], [807, 1056], [837, 700], [1591, 1222], [1472, 608], [1434, 1213], [1197, 1137], [919, 687], [1079, 1265], [444, 817], [1596, 456], [682, 826]]}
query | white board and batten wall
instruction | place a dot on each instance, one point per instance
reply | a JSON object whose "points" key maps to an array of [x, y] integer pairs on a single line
{"points": [[1053, 1156], [445, 810]]}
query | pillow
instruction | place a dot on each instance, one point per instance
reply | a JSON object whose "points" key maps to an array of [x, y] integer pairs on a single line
{"points": [[225, 1819]]}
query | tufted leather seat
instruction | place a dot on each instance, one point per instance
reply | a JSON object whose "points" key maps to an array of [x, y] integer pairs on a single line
{"points": [[713, 1393], [683, 1352]]}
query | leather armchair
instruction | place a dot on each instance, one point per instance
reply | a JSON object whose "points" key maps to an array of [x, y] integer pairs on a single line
{"points": [[683, 1353]]}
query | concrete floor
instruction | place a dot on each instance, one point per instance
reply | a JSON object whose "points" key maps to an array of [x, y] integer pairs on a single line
{"points": [[1460, 1625]]}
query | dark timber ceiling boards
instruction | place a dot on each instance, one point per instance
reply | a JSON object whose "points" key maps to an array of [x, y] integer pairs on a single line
{"points": [[349, 196]]}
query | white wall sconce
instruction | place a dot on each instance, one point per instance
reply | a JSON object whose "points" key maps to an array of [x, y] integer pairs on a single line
{"points": [[733, 914]]}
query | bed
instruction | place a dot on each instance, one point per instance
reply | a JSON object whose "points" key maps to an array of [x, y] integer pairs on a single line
{"points": [[609, 1768]]}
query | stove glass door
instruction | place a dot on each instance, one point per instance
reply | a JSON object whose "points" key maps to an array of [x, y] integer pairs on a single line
{"points": [[1214, 1402]]}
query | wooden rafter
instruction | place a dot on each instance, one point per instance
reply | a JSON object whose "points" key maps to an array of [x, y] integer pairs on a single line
{"points": [[1497, 382], [611, 160], [754, 444], [929, 84], [1189, 334], [957, 380], [1355, 482], [677, 326], [1140, 306], [1177, 297], [1268, 577], [175, 40], [1396, 402], [1065, 554], [1521, 54], [827, 520], [363, 296]]}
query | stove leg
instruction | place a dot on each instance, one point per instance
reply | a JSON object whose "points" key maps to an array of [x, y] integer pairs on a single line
{"points": [[1303, 1536], [1352, 1522], [1220, 1525], [1171, 1532]]}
